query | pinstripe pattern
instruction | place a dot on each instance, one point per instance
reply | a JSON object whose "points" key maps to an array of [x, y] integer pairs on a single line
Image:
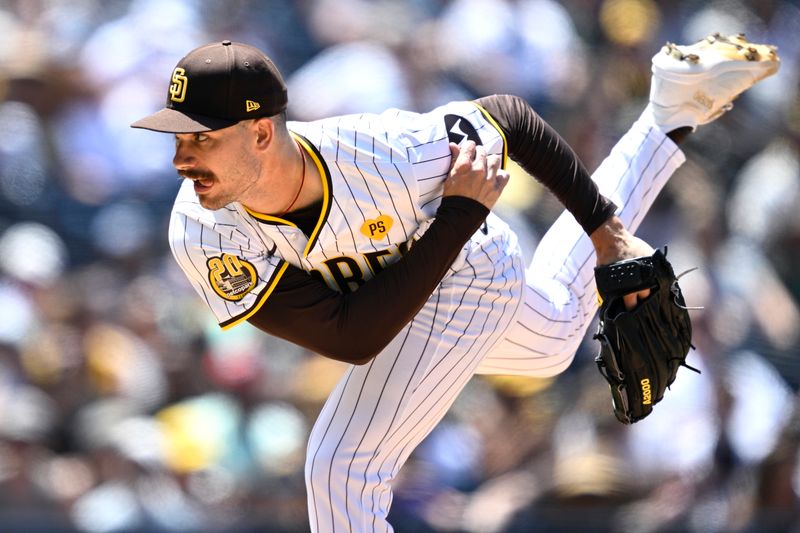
{"points": [[560, 297], [373, 166], [380, 412], [489, 315]]}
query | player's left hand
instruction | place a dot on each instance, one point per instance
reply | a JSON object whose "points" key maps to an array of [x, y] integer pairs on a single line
{"points": [[613, 242], [641, 349]]}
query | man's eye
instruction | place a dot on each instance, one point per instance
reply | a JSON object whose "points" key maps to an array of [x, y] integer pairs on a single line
{"points": [[200, 137]]}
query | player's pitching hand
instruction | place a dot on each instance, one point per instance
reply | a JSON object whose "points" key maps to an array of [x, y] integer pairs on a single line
{"points": [[474, 174], [613, 242]]}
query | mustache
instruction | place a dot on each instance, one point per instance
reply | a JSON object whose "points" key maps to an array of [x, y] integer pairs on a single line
{"points": [[196, 174]]}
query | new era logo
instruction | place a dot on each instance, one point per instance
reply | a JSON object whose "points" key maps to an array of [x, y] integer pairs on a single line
{"points": [[251, 105]]}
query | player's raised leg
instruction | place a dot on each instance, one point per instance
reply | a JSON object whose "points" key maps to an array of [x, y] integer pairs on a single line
{"points": [[691, 86]]}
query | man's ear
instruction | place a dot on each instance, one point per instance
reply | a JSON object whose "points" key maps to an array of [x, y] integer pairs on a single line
{"points": [[265, 132]]}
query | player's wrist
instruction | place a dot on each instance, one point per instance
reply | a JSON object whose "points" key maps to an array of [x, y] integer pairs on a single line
{"points": [[613, 242], [463, 215], [607, 239]]}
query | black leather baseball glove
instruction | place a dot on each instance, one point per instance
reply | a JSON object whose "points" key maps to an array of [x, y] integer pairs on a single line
{"points": [[641, 349]]}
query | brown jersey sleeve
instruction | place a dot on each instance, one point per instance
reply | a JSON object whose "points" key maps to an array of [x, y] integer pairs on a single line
{"points": [[545, 155], [355, 327]]}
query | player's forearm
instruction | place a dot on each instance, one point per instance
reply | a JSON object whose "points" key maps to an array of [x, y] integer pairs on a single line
{"points": [[542, 152], [355, 327]]}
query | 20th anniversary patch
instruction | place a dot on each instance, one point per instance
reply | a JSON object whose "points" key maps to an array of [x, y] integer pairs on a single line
{"points": [[231, 277]]}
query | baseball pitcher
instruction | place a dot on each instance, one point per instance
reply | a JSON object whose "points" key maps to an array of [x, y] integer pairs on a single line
{"points": [[370, 239]]}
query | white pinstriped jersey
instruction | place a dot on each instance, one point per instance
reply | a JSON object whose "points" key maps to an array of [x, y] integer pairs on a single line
{"points": [[382, 183]]}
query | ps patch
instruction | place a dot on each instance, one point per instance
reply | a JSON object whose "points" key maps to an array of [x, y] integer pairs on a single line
{"points": [[377, 228]]}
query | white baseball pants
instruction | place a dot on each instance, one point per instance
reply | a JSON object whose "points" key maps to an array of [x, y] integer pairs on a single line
{"points": [[491, 316]]}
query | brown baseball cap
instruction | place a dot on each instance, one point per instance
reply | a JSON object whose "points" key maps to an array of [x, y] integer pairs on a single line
{"points": [[216, 86]]}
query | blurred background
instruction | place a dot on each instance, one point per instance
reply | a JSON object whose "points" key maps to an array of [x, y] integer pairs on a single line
{"points": [[123, 407]]}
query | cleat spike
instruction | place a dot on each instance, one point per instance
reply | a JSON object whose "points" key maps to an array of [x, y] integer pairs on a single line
{"points": [[673, 51]]}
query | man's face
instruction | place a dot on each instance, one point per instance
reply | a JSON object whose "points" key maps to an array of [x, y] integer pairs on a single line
{"points": [[221, 163]]}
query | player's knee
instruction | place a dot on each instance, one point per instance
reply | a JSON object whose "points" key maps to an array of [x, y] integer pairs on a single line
{"points": [[326, 465], [337, 488], [316, 472]]}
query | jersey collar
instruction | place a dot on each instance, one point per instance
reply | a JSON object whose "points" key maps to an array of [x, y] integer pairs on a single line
{"points": [[325, 177]]}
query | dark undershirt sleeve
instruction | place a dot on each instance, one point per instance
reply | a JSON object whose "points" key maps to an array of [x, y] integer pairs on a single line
{"points": [[545, 155], [355, 327]]}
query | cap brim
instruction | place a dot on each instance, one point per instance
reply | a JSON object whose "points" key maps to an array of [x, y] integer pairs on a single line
{"points": [[171, 121]]}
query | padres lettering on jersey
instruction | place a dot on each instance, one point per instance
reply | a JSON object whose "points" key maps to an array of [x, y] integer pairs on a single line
{"points": [[382, 183]]}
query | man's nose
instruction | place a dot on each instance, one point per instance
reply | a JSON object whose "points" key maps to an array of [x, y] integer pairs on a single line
{"points": [[183, 159]]}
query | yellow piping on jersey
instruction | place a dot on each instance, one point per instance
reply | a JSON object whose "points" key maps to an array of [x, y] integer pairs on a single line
{"points": [[325, 197], [268, 218], [326, 193], [494, 123], [262, 298]]}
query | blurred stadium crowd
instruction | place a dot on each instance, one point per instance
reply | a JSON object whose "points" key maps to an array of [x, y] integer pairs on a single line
{"points": [[123, 407]]}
